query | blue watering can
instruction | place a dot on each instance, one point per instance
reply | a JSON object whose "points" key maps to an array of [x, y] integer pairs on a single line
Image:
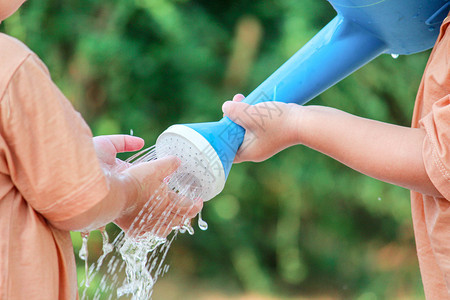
{"points": [[361, 31]]}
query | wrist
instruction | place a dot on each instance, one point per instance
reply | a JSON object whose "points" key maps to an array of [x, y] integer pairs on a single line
{"points": [[295, 118], [127, 190], [130, 192]]}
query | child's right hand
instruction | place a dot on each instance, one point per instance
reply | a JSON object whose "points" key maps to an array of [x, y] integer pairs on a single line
{"points": [[270, 127], [159, 208]]}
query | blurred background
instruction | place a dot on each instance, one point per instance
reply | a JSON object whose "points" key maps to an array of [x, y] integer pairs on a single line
{"points": [[298, 226]]}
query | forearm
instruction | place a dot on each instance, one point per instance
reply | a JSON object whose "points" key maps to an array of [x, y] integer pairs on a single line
{"points": [[122, 191], [383, 151]]}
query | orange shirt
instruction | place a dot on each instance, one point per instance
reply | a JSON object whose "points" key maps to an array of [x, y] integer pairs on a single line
{"points": [[431, 216], [48, 172]]}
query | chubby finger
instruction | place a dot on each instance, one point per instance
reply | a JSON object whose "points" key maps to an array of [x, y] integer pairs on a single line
{"points": [[179, 200], [184, 213], [238, 98], [153, 171], [238, 112], [197, 207], [165, 166], [119, 142], [186, 205], [124, 142]]}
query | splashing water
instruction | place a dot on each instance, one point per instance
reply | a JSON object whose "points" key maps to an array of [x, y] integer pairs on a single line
{"points": [[138, 260], [187, 227], [107, 247], [134, 252], [83, 254]]}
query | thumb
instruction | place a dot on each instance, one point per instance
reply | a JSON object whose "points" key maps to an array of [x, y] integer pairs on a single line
{"points": [[237, 112], [126, 143], [117, 143]]}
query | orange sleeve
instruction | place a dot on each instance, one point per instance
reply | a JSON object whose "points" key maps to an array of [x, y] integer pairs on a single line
{"points": [[51, 158], [436, 147]]}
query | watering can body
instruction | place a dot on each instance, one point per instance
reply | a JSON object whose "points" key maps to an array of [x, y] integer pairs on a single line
{"points": [[361, 31]]}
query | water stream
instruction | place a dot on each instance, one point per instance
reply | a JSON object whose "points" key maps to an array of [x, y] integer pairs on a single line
{"points": [[129, 266]]}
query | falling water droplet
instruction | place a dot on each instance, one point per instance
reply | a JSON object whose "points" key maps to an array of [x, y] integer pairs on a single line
{"points": [[431, 28], [187, 227], [131, 132], [201, 223], [83, 251], [395, 56], [166, 269], [190, 229], [83, 254], [107, 246]]}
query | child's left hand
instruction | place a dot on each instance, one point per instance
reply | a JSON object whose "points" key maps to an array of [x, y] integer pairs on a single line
{"points": [[269, 127]]}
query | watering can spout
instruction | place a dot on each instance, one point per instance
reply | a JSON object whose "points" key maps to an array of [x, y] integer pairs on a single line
{"points": [[361, 31], [336, 51]]}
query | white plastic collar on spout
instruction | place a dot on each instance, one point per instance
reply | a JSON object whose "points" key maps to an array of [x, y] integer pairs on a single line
{"points": [[199, 161]]}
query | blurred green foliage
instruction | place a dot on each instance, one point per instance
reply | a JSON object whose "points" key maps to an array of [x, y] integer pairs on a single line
{"points": [[297, 224]]}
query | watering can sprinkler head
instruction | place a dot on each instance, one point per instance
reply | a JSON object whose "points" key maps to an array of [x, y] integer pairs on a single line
{"points": [[202, 165], [361, 31]]}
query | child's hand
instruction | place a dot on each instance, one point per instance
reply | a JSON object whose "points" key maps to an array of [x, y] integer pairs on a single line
{"points": [[270, 127], [167, 208], [156, 206]]}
